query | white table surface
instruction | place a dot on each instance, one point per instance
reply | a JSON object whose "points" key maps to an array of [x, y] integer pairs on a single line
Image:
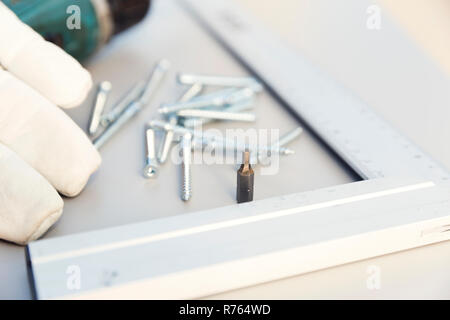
{"points": [[383, 67]]}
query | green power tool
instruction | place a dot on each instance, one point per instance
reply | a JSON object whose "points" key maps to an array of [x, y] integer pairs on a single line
{"points": [[80, 27]]}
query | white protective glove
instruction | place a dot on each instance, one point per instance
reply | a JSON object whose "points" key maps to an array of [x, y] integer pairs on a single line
{"points": [[41, 148]]}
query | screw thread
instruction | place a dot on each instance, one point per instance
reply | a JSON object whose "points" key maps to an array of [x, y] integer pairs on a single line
{"points": [[186, 185], [186, 167]]}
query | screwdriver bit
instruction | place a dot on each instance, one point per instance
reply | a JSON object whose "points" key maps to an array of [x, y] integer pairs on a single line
{"points": [[245, 180]]}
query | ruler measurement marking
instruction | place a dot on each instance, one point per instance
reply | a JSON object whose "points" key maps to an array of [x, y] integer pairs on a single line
{"points": [[322, 103]]}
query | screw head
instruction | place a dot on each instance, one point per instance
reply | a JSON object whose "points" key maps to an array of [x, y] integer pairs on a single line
{"points": [[150, 171], [185, 196], [105, 86]]}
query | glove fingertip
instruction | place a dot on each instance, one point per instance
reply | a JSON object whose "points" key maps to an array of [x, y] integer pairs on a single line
{"points": [[74, 189], [78, 95], [44, 226]]}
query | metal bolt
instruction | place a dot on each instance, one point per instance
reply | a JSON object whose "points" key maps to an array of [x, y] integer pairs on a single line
{"points": [[289, 137], [238, 107], [136, 106], [206, 138], [154, 80], [165, 146], [214, 94], [283, 141], [173, 120], [227, 98], [151, 166], [124, 102], [217, 115], [163, 125], [223, 81], [186, 188], [104, 88], [223, 143], [193, 91]]}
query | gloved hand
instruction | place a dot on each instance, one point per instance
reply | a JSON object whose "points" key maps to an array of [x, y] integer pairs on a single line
{"points": [[41, 148]]}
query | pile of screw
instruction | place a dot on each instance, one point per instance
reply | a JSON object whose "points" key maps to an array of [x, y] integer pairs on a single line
{"points": [[126, 108], [192, 110], [231, 102]]}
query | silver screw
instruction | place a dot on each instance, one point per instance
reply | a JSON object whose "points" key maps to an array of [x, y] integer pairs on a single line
{"points": [[154, 80], [104, 88], [151, 167], [166, 144], [173, 120], [283, 141], [124, 102], [227, 98], [238, 107], [217, 115], [186, 187], [289, 137], [186, 78], [206, 138], [193, 91], [214, 94], [136, 106]]}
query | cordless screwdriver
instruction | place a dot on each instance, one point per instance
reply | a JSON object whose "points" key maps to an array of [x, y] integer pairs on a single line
{"points": [[80, 27]]}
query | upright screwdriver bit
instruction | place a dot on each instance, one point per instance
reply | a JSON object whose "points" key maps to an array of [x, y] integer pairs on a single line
{"points": [[245, 180]]}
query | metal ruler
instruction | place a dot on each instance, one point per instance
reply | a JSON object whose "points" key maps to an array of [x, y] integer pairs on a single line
{"points": [[208, 252], [365, 141], [203, 253]]}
